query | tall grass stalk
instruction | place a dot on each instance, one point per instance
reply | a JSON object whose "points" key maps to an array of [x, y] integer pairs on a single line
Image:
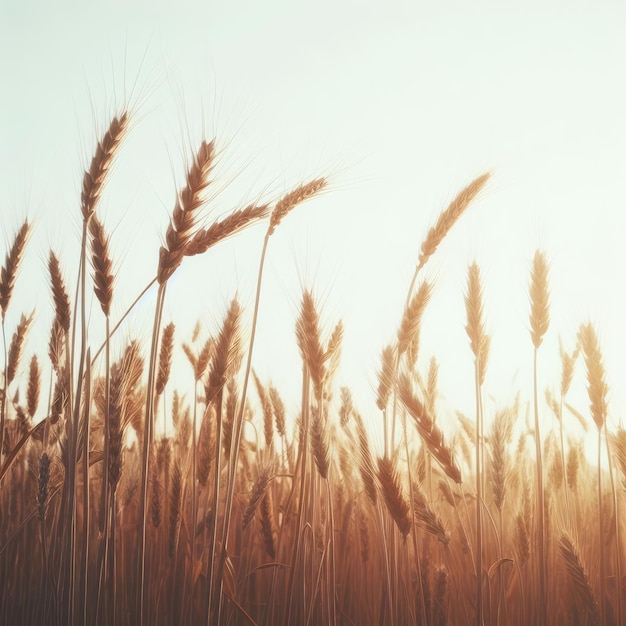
{"points": [[539, 322], [479, 343], [597, 391]]}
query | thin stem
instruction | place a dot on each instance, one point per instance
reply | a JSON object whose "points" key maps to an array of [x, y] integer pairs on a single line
{"points": [[121, 320], [302, 453], [86, 512], [214, 599], [543, 609], [601, 535], [104, 501], [4, 391], [563, 460], [73, 434], [237, 427], [147, 436], [616, 516], [479, 499]]}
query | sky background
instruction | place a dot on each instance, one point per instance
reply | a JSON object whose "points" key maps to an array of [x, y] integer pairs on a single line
{"points": [[401, 104]]}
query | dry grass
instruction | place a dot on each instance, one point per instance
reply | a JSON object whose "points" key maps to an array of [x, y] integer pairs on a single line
{"points": [[249, 512]]}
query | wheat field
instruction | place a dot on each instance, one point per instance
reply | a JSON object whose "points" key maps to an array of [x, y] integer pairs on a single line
{"points": [[241, 513]]}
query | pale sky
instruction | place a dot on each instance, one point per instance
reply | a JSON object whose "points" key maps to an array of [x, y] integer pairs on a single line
{"points": [[400, 103]]}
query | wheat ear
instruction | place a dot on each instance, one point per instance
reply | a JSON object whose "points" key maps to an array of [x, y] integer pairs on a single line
{"points": [[295, 197], [427, 517], [596, 386], [165, 358], [479, 343], [394, 496], [429, 432], [94, 177], [449, 217], [539, 322], [17, 345], [539, 298], [103, 274], [225, 228], [309, 342], [597, 390], [12, 262], [259, 490], [581, 593], [34, 387], [185, 214], [59, 294]]}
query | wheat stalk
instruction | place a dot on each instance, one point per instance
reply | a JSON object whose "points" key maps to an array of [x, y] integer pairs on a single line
{"points": [[479, 344], [539, 298], [597, 390]]}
